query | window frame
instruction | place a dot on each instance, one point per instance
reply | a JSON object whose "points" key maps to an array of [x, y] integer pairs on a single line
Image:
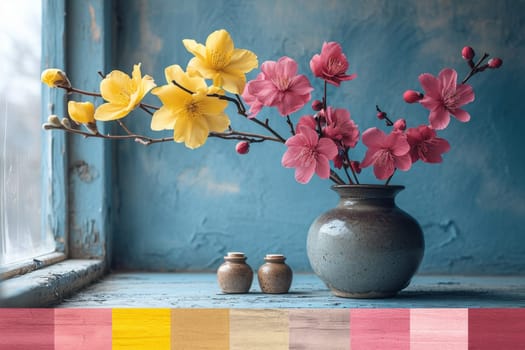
{"points": [[76, 210]]}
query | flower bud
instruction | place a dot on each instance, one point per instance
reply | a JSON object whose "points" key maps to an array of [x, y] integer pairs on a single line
{"points": [[381, 115], [495, 62], [411, 96], [400, 125], [467, 53], [92, 127], [53, 78], [242, 147], [81, 112], [53, 120], [65, 123], [317, 105], [356, 166]]}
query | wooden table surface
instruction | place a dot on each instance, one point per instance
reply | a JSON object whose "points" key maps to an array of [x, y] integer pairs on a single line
{"points": [[200, 290]]}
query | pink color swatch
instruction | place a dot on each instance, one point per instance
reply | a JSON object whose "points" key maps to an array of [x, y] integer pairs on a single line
{"points": [[22, 329], [379, 329], [438, 329], [83, 329]]}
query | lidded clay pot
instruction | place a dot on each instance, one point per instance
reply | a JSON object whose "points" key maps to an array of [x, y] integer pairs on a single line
{"points": [[235, 276], [275, 277]]}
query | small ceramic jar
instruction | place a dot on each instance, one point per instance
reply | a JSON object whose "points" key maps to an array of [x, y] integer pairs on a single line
{"points": [[235, 276], [275, 277]]}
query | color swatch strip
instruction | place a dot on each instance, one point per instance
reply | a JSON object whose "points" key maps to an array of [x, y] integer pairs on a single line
{"points": [[275, 329]]}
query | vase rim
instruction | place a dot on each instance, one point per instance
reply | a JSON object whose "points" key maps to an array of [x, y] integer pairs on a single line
{"points": [[371, 186], [367, 191]]}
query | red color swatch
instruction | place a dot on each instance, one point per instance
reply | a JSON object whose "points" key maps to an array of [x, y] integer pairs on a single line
{"points": [[83, 329], [22, 329], [379, 329], [492, 329]]}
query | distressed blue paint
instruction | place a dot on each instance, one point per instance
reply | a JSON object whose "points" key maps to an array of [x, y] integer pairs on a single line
{"points": [[81, 204], [90, 170], [200, 290], [183, 210], [54, 184]]}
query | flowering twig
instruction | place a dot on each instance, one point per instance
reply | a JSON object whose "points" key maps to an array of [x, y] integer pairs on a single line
{"points": [[242, 111], [129, 136], [476, 68], [326, 136], [289, 121], [383, 115]]}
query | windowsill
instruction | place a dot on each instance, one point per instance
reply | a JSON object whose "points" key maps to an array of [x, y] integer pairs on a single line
{"points": [[200, 290], [20, 268], [48, 286]]}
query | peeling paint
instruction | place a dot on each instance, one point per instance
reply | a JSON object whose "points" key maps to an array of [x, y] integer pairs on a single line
{"points": [[449, 228], [84, 171], [94, 28]]}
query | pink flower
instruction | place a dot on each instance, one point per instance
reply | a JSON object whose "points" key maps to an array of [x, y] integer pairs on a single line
{"points": [[340, 128], [425, 145], [308, 121], [400, 125], [386, 152], [308, 153], [280, 86], [444, 97], [331, 65], [251, 100]]}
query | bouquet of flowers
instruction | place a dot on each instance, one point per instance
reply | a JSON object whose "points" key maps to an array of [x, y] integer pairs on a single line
{"points": [[193, 104]]}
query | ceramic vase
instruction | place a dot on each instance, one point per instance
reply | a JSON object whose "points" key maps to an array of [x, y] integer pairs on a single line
{"points": [[366, 247], [275, 276], [235, 276]]}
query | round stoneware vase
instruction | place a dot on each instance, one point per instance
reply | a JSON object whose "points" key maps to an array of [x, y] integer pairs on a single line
{"points": [[366, 247]]}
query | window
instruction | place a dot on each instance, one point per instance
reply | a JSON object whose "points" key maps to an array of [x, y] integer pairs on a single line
{"points": [[21, 235]]}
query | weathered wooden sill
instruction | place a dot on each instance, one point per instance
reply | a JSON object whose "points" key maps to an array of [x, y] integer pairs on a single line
{"points": [[200, 290], [48, 286]]}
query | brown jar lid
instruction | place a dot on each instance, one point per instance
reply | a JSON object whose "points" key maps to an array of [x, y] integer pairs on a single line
{"points": [[274, 257], [236, 255]]}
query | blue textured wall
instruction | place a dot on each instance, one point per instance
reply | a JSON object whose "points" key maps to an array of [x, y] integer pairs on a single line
{"points": [[182, 209]]}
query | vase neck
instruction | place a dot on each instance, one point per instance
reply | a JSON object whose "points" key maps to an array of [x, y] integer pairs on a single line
{"points": [[377, 195]]}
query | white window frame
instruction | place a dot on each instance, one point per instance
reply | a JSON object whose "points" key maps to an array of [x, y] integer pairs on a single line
{"points": [[76, 37]]}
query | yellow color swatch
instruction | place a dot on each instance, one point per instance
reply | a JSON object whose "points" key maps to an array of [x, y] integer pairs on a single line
{"points": [[258, 329], [140, 329], [200, 329]]}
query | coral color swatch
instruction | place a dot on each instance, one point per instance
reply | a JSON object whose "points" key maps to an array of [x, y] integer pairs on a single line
{"points": [[377, 329], [275, 329], [83, 329]]}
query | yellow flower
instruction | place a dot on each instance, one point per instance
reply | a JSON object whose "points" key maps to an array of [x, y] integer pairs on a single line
{"points": [[220, 61], [191, 115], [81, 112], [122, 93], [54, 77]]}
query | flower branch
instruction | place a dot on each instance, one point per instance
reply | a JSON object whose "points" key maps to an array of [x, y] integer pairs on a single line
{"points": [[319, 143]]}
